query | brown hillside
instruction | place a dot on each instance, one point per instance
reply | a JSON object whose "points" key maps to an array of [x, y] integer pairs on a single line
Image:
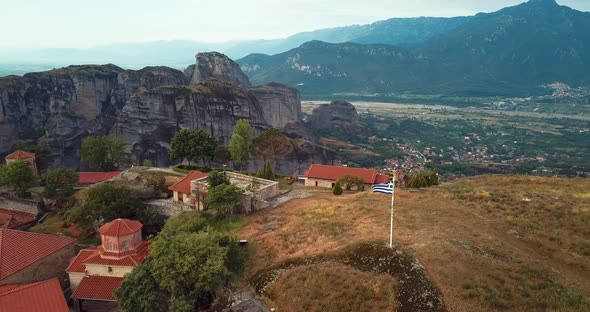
{"points": [[509, 243]]}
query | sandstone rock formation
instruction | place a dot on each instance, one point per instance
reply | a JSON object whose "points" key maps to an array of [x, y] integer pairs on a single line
{"points": [[60, 107], [151, 118], [338, 115], [218, 66], [281, 104]]}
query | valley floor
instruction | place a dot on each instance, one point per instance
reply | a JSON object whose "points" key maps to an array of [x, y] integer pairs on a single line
{"points": [[510, 243]]}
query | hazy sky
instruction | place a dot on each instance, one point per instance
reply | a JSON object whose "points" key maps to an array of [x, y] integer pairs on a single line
{"points": [[81, 23]]}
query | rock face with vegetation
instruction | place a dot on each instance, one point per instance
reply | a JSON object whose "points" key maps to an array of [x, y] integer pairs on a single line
{"points": [[151, 118], [218, 66], [60, 107], [340, 116], [144, 108]]}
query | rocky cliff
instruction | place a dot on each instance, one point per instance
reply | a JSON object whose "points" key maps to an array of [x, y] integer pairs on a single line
{"points": [[60, 107], [281, 104], [338, 115], [217, 66], [151, 118]]}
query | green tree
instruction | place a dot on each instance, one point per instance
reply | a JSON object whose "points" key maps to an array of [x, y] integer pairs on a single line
{"points": [[109, 201], [148, 163], [216, 178], [188, 262], [179, 147], [193, 145], [273, 145], [105, 153], [268, 173], [350, 181], [202, 146], [60, 182], [241, 142], [140, 291], [19, 176], [224, 199], [337, 190]]}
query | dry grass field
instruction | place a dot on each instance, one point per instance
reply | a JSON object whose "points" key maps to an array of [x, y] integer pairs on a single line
{"points": [[491, 243]]}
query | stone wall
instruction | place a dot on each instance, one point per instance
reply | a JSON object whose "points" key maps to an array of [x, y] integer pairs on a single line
{"points": [[18, 204], [319, 183], [330, 184], [49, 267], [103, 270], [75, 279]]}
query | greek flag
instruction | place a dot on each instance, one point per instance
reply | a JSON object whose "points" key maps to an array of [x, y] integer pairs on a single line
{"points": [[385, 188]]}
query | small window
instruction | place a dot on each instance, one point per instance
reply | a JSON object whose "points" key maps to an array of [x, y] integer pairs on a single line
{"points": [[333, 184], [110, 269], [316, 183]]}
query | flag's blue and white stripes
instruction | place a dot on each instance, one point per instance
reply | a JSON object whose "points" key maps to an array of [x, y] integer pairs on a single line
{"points": [[385, 188]]}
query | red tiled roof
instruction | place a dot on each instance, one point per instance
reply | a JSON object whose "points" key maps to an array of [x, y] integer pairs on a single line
{"points": [[77, 263], [95, 177], [97, 288], [74, 230], [120, 227], [381, 178], [325, 172], [19, 249], [43, 296], [20, 154], [184, 185], [11, 219], [93, 256]]}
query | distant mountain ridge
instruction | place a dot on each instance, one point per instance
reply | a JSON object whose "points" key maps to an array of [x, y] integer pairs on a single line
{"points": [[509, 52], [177, 53]]}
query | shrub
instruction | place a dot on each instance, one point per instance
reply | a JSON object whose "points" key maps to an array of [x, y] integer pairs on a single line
{"points": [[337, 190], [148, 163], [350, 181], [19, 176], [423, 179], [216, 178], [60, 182]]}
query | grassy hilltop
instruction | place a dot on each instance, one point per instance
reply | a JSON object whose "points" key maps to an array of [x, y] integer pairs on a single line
{"points": [[510, 243]]}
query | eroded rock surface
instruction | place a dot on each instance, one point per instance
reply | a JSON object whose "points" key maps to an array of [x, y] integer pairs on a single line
{"points": [[217, 66], [339, 115]]}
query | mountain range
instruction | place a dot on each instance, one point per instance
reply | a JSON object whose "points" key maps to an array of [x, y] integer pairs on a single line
{"points": [[509, 52]]}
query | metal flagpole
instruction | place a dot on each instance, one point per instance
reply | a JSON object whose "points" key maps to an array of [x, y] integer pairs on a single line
{"points": [[391, 227]]}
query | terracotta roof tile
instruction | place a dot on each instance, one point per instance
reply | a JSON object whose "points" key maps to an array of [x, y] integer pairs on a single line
{"points": [[19, 249], [93, 256], [20, 154], [43, 296], [74, 230], [325, 172], [184, 185], [97, 288], [77, 263], [11, 219], [95, 177], [120, 227]]}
